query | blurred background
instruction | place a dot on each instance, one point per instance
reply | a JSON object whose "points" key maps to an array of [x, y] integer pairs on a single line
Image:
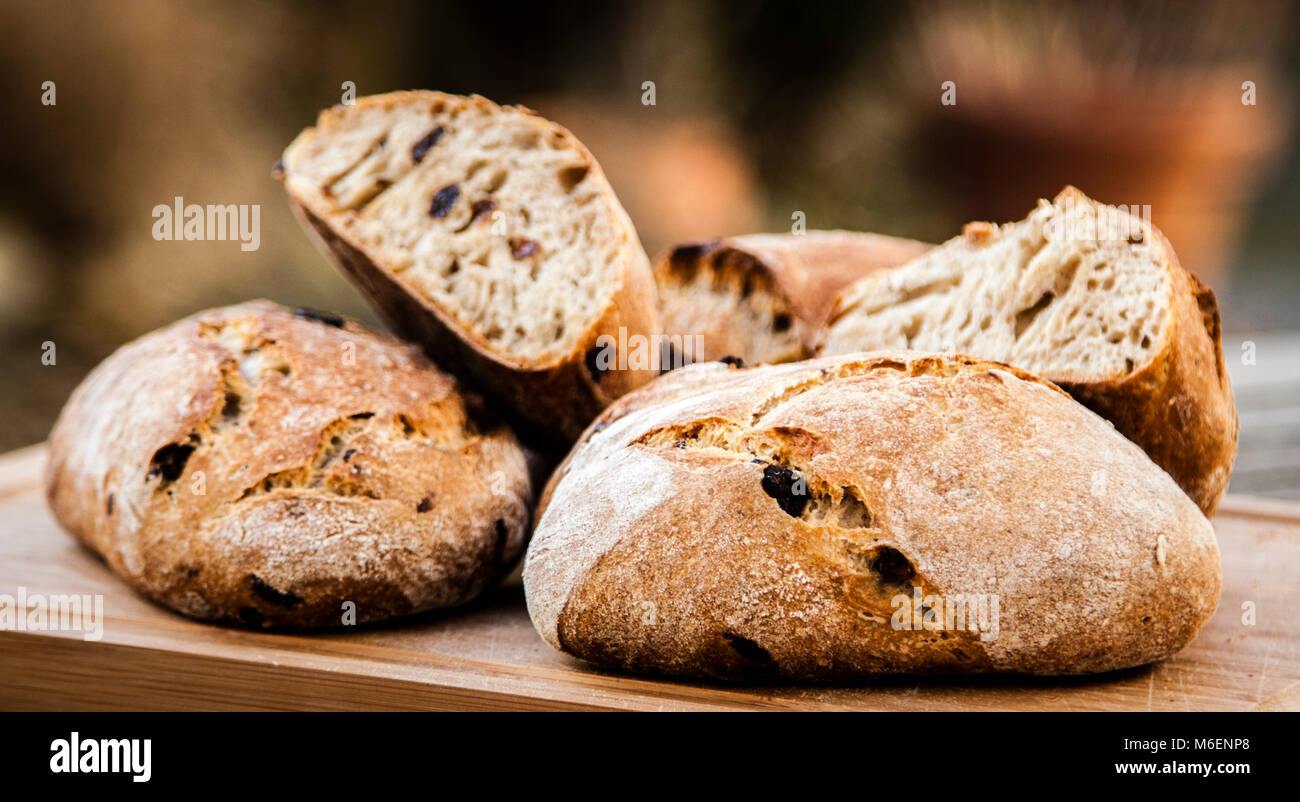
{"points": [[761, 111]]}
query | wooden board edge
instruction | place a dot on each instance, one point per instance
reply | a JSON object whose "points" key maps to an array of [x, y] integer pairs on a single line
{"points": [[114, 676]]}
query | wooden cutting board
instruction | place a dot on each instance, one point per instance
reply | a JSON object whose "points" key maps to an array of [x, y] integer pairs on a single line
{"points": [[488, 657]]}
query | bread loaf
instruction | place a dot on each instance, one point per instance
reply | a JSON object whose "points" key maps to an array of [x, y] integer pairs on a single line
{"points": [[1086, 295], [765, 297], [255, 465], [799, 520], [490, 236]]}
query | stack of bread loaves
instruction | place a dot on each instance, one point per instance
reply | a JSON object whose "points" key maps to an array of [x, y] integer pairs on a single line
{"points": [[997, 454]]}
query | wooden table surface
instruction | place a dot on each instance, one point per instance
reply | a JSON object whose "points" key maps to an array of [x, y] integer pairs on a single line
{"points": [[487, 657]]}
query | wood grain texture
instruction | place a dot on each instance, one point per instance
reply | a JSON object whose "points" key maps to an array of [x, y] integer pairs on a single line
{"points": [[487, 656]]}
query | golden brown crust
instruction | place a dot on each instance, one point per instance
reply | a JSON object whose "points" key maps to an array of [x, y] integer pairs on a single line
{"points": [[254, 465], [664, 545], [801, 275], [551, 400]]}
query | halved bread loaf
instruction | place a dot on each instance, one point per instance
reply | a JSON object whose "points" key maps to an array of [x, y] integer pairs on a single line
{"points": [[1085, 295], [821, 520], [488, 234], [764, 297]]}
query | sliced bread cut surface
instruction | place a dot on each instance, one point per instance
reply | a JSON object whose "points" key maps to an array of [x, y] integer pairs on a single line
{"points": [[488, 234], [1086, 295], [764, 297]]}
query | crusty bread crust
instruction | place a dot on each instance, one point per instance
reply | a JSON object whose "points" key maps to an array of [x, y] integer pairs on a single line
{"points": [[551, 399], [661, 546], [799, 274], [1178, 406], [251, 465]]}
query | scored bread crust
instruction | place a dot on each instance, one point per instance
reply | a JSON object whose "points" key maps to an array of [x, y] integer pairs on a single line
{"points": [[659, 546], [554, 396], [246, 464], [798, 276], [1178, 406]]}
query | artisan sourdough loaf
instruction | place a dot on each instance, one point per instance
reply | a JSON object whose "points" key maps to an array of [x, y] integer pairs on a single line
{"points": [[778, 520], [490, 236], [765, 297], [251, 464], [1085, 295]]}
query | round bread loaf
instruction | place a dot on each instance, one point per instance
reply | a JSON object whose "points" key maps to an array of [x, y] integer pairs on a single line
{"points": [[268, 466], [830, 519]]}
